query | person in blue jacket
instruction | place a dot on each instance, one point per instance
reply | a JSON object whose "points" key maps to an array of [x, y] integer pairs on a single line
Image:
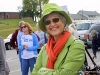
{"points": [[95, 41], [28, 44]]}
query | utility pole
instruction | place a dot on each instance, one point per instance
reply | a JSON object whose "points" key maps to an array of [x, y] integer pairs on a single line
{"points": [[82, 14]]}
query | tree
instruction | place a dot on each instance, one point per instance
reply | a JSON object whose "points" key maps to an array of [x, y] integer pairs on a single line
{"points": [[42, 2], [32, 8]]}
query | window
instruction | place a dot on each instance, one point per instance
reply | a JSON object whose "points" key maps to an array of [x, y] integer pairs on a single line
{"points": [[95, 27], [83, 26], [2, 15]]}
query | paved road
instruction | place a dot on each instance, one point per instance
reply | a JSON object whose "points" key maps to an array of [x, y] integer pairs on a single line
{"points": [[13, 61]]}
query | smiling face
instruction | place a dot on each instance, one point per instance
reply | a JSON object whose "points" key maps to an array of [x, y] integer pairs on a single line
{"points": [[54, 25]]}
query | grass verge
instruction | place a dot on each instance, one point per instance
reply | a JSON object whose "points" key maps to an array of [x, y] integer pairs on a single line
{"points": [[8, 26]]}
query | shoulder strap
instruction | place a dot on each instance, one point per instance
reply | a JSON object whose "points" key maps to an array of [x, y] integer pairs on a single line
{"points": [[45, 38], [89, 57], [37, 36]]}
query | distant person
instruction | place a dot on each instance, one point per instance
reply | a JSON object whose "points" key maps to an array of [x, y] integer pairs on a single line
{"points": [[4, 68], [28, 45], [95, 41], [62, 54], [73, 30], [42, 36], [15, 38]]}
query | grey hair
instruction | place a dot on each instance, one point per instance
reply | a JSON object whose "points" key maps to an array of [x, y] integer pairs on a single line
{"points": [[62, 18], [20, 23]]}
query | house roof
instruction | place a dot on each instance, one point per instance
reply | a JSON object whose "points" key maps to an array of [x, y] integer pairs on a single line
{"points": [[88, 12], [77, 16]]}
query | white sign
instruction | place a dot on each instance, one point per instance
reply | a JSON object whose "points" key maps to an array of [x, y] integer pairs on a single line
{"points": [[64, 8]]}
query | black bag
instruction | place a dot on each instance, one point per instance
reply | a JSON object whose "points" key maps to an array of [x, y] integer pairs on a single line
{"points": [[87, 69]]}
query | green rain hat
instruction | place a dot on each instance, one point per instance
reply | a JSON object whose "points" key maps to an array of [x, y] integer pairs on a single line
{"points": [[49, 8]]}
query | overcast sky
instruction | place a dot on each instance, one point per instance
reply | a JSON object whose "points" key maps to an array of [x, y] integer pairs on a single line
{"points": [[73, 5]]}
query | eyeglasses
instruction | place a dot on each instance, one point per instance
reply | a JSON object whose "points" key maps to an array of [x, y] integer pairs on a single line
{"points": [[54, 20], [23, 27]]}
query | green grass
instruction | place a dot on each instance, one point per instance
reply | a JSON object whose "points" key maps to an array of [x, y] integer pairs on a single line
{"points": [[8, 26]]}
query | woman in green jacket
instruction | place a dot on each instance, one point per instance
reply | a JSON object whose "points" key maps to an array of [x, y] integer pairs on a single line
{"points": [[62, 54]]}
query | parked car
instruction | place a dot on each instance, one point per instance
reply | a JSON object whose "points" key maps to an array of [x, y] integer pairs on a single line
{"points": [[7, 42], [83, 30]]}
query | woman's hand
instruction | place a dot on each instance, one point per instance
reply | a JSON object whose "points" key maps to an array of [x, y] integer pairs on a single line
{"points": [[41, 45], [25, 46]]}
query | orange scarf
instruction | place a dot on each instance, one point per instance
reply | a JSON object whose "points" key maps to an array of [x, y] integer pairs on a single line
{"points": [[54, 48]]}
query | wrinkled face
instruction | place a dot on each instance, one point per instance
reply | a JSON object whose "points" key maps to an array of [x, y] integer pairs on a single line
{"points": [[54, 25], [24, 28]]}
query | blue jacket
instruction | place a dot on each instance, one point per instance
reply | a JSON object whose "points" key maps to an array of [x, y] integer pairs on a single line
{"points": [[96, 42], [35, 45]]}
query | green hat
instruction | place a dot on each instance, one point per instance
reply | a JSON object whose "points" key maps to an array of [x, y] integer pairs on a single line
{"points": [[49, 8]]}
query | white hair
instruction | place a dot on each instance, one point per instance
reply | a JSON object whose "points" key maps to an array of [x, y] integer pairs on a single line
{"points": [[20, 23], [73, 26]]}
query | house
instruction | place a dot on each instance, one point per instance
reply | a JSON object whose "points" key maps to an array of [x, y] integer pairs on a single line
{"points": [[86, 15], [10, 15], [78, 17]]}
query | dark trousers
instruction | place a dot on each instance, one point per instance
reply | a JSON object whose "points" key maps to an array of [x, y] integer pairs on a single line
{"points": [[94, 48]]}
